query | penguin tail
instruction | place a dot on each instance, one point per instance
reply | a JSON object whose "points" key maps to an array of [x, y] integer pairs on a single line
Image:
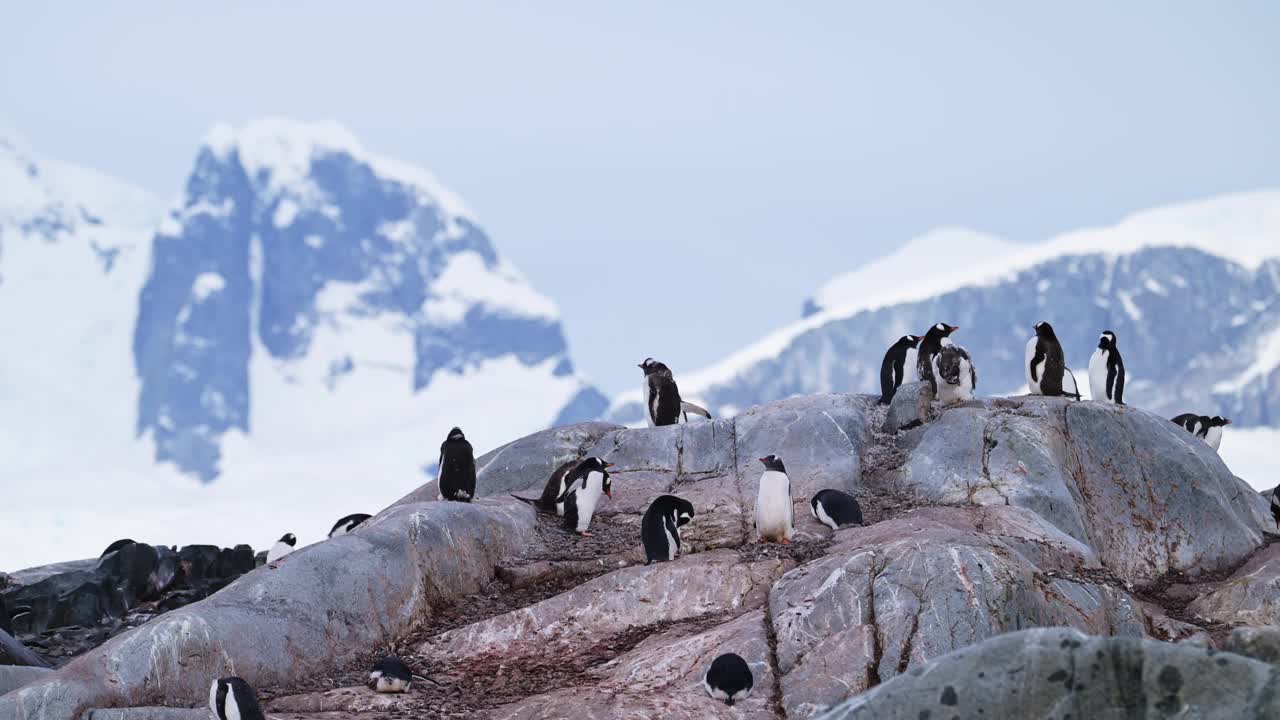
{"points": [[689, 407], [535, 502]]}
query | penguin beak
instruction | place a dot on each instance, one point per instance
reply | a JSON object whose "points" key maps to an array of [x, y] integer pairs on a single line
{"points": [[1227, 421], [608, 464], [609, 492], [763, 460]]}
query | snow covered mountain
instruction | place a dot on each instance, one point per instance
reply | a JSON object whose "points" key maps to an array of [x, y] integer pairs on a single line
{"points": [[308, 319], [1192, 291]]}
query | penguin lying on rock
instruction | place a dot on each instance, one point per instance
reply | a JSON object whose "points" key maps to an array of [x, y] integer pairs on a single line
{"points": [[390, 675], [836, 509], [729, 678], [1208, 429], [231, 698], [348, 523], [283, 547]]}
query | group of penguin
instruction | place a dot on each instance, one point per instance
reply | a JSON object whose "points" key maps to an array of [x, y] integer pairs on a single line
{"points": [[951, 374], [575, 488]]}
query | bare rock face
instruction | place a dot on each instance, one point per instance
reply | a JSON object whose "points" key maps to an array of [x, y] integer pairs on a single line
{"points": [[319, 606], [1060, 672], [1147, 498], [902, 592], [1251, 595]]}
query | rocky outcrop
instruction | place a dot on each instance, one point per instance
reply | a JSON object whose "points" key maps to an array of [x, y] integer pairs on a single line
{"points": [[1250, 595], [1065, 673], [984, 519]]}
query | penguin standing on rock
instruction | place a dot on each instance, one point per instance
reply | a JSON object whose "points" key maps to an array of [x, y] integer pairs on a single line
{"points": [[774, 516], [836, 509], [348, 523], [662, 397], [283, 547], [660, 527], [457, 479], [930, 345], [954, 375], [390, 675], [1047, 371], [1106, 371], [583, 488], [1214, 435], [729, 678], [231, 698], [893, 369], [549, 502]]}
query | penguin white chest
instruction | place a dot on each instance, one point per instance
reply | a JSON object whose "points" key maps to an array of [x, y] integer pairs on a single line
{"points": [[773, 507], [278, 551], [648, 404], [1033, 383], [587, 499], [1098, 376], [909, 369], [1214, 437], [673, 541]]}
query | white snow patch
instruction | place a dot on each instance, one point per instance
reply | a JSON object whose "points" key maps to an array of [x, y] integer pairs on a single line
{"points": [[1154, 286], [467, 281], [1266, 360], [206, 284], [1130, 308], [286, 213]]}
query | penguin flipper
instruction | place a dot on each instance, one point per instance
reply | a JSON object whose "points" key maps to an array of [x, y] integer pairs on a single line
{"points": [[1075, 389], [689, 407]]}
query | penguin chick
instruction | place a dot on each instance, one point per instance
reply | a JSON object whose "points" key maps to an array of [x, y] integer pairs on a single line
{"points": [[954, 375], [1106, 371], [898, 360], [231, 698], [660, 527], [390, 675], [729, 678], [348, 523], [662, 402], [457, 479], [836, 509], [774, 515], [283, 547], [583, 487], [930, 345]]}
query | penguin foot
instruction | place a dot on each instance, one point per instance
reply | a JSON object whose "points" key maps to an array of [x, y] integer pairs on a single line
{"points": [[585, 533], [785, 541]]}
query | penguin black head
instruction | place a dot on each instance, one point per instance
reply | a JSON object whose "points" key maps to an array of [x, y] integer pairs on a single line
{"points": [[1218, 421], [289, 539], [1107, 340], [910, 341], [595, 464], [1044, 331], [684, 512], [651, 366], [773, 462], [456, 434], [232, 697]]}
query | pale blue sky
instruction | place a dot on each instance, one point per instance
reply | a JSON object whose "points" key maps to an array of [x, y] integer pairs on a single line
{"points": [[679, 176]]}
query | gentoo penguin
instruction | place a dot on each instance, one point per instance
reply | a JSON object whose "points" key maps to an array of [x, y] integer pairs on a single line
{"points": [[348, 523], [1106, 371], [836, 509], [1213, 435], [283, 547], [390, 675], [774, 516], [954, 375], [231, 698], [729, 678], [893, 369], [660, 527], [583, 487], [1275, 505], [550, 501], [1208, 429], [930, 345], [1047, 372], [662, 397], [457, 479], [116, 546]]}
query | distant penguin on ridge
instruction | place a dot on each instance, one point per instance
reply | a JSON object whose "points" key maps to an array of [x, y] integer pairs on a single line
{"points": [[390, 675], [1106, 371], [1275, 505], [457, 478], [583, 488], [348, 523], [954, 375], [283, 547], [1208, 429], [836, 509], [774, 515], [1046, 367], [1214, 434], [729, 678], [662, 402], [899, 359], [231, 698], [660, 527], [930, 345]]}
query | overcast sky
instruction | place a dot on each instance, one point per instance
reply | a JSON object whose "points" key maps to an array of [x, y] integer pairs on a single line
{"points": [[680, 176]]}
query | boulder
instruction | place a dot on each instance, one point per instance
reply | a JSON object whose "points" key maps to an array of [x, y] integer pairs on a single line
{"points": [[1251, 595], [1129, 484], [13, 677], [151, 713], [894, 595], [1063, 673], [318, 608], [1259, 643], [912, 405]]}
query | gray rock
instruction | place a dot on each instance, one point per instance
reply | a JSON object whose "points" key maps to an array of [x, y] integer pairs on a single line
{"points": [[685, 588], [1250, 596], [316, 609], [13, 677], [151, 713], [894, 595], [1259, 643], [912, 405], [1060, 672], [1126, 482]]}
